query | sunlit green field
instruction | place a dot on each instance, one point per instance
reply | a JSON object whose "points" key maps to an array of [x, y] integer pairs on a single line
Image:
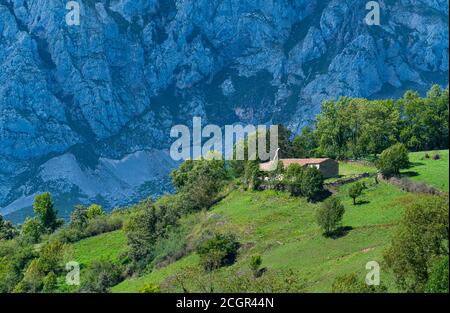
{"points": [[106, 246], [433, 172]]}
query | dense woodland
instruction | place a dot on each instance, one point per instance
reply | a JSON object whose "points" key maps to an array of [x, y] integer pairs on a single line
{"points": [[33, 255]]}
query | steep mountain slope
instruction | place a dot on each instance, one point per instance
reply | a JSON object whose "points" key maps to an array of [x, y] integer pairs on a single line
{"points": [[86, 110]]}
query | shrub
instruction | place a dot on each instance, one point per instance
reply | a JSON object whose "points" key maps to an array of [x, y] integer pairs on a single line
{"points": [[9, 275], [51, 256], [94, 210], [436, 157], [330, 214], [426, 156], [32, 229], [218, 251], [303, 181], [68, 234], [49, 260], [32, 280], [7, 229], [438, 281], [100, 276], [350, 283], [255, 265], [15, 255], [172, 247], [50, 282], [141, 231], [193, 279], [102, 224], [393, 159], [150, 288]]}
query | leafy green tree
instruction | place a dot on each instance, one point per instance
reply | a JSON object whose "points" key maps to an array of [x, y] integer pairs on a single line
{"points": [[182, 176], [78, 218], [303, 181], [150, 223], [44, 209], [200, 181], [94, 210], [218, 251], [425, 120], [305, 144], [332, 130], [284, 142], [378, 124], [253, 175], [329, 215], [393, 159], [438, 278], [421, 237], [141, 233], [32, 229], [7, 229], [237, 166], [311, 182], [356, 190], [203, 194], [192, 171], [355, 128]]}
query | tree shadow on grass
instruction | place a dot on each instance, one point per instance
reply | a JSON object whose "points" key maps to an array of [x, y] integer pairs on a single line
{"points": [[322, 196], [340, 232], [361, 202], [409, 174]]}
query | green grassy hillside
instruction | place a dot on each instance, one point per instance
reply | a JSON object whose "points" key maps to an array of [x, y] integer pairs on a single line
{"points": [[433, 172], [282, 229], [108, 246]]}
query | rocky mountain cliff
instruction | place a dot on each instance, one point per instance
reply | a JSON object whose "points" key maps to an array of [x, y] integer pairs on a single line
{"points": [[86, 110]]}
